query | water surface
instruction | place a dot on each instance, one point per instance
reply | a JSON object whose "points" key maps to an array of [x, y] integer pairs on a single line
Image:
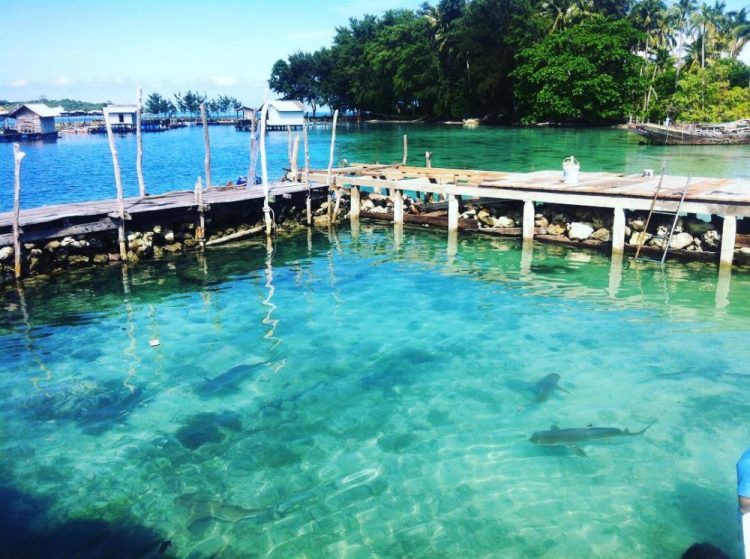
{"points": [[367, 393]]}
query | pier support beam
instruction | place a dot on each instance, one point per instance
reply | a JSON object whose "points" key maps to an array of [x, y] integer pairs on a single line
{"points": [[452, 212], [354, 203], [528, 220], [398, 205], [618, 232], [728, 236]]}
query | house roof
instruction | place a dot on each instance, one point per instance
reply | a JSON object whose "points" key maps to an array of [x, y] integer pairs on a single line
{"points": [[114, 109], [286, 106], [38, 108]]}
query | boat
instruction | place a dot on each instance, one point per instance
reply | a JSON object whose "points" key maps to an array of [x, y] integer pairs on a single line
{"points": [[471, 122], [737, 132]]}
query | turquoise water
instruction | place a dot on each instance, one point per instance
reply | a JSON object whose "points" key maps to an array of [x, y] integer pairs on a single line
{"points": [[369, 393], [79, 168]]}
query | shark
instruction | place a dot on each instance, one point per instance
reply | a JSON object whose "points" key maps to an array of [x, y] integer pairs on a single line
{"points": [[571, 437]]}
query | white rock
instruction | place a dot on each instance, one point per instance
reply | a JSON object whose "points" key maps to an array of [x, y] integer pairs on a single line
{"points": [[367, 205], [5, 253], [681, 241], [504, 221], [639, 237], [711, 238], [67, 241], [169, 236], [602, 234], [637, 224], [580, 231]]}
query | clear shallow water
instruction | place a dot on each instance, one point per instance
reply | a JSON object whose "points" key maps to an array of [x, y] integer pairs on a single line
{"points": [[77, 168], [367, 395]]}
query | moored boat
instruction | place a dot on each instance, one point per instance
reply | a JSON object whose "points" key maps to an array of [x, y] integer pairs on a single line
{"points": [[737, 132]]}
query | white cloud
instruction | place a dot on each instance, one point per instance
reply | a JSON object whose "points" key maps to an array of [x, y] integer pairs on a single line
{"points": [[223, 81], [18, 82], [61, 80]]}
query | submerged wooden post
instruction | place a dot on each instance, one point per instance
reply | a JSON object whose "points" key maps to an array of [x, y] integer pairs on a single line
{"points": [[452, 212], [293, 161], [18, 156], [398, 205], [308, 201], [118, 185], [330, 167], [264, 166], [728, 237], [200, 233], [253, 152], [139, 145], [618, 231], [207, 142], [354, 202], [406, 150], [528, 220]]}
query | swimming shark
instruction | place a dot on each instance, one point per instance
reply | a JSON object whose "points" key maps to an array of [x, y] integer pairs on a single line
{"points": [[570, 437], [546, 386], [229, 381]]}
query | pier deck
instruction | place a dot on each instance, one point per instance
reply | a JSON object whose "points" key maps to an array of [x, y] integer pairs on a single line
{"points": [[60, 220]]}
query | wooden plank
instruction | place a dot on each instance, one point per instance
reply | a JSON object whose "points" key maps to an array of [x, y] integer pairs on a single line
{"points": [[45, 233]]}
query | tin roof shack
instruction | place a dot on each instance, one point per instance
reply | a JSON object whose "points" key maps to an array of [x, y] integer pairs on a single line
{"points": [[285, 113], [35, 120], [121, 117]]}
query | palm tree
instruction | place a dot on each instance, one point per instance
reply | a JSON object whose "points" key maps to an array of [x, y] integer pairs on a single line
{"points": [[740, 31], [564, 12], [709, 23]]}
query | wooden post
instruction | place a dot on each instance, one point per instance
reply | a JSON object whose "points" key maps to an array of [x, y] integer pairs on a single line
{"points": [[618, 231], [18, 156], [264, 165], [406, 150], [139, 145], [452, 212], [207, 143], [253, 153], [728, 237], [428, 159], [330, 166], [308, 201], [293, 161], [289, 142], [118, 185], [200, 233], [354, 202], [528, 220], [398, 205]]}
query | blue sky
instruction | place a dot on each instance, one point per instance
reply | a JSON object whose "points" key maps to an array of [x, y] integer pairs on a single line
{"points": [[99, 50]]}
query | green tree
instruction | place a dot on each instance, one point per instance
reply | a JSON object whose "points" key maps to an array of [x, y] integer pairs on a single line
{"points": [[587, 73]]}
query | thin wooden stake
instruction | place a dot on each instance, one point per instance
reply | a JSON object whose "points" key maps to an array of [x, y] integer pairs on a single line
{"points": [[264, 166], [118, 185], [406, 150], [253, 152], [139, 145], [18, 156], [207, 142], [308, 202], [293, 161], [289, 142], [330, 167], [428, 159], [200, 234]]}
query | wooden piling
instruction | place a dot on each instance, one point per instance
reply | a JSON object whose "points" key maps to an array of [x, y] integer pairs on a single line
{"points": [[406, 150], [452, 212], [354, 203], [528, 220], [207, 143], [200, 232], [330, 166], [118, 184], [293, 161], [398, 205], [139, 145], [728, 237], [308, 201], [18, 156], [428, 159], [618, 231], [264, 166], [253, 152]]}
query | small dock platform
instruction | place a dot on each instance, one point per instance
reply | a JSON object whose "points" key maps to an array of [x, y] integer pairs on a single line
{"points": [[48, 222]]}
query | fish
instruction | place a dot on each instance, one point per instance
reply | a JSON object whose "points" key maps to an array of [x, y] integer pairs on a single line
{"points": [[202, 508], [570, 437], [229, 381], [546, 386]]}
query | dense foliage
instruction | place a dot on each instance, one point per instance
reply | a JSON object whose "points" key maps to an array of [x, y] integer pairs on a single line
{"points": [[593, 61], [189, 103]]}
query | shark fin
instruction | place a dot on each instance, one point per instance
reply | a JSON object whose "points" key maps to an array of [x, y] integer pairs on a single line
{"points": [[554, 428]]}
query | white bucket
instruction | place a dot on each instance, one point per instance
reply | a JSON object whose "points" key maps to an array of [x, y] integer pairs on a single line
{"points": [[570, 170]]}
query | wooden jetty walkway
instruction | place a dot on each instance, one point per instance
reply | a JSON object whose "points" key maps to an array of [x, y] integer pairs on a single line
{"points": [[728, 198], [48, 222]]}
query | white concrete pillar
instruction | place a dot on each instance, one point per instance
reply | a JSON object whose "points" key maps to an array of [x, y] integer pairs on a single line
{"points": [[528, 220], [398, 205], [728, 235], [527, 256], [615, 274], [618, 231], [354, 202], [398, 235], [452, 212], [722, 285]]}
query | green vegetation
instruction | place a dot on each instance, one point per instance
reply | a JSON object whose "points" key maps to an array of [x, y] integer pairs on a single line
{"points": [[67, 104], [588, 61]]}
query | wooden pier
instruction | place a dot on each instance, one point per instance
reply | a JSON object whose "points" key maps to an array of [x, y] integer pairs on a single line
{"points": [[728, 198], [49, 222]]}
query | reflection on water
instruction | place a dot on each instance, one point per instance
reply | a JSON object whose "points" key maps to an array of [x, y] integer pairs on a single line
{"points": [[353, 394]]}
